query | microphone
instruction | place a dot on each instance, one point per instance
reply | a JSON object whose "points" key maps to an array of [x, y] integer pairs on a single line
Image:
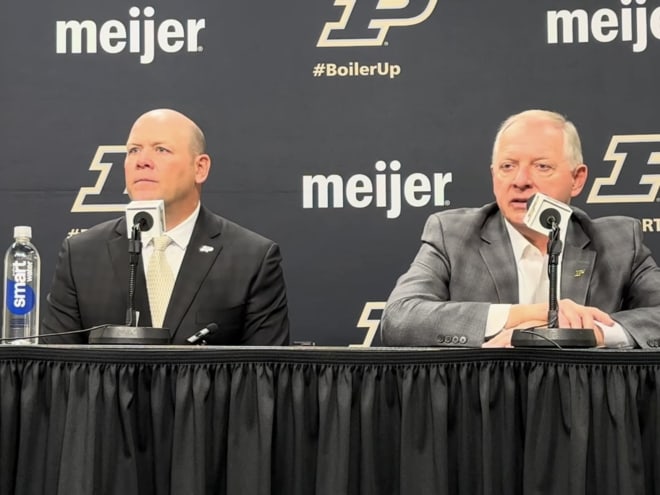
{"points": [[543, 211], [149, 215], [198, 338], [143, 221], [549, 217], [543, 215], [141, 216], [140, 221]]}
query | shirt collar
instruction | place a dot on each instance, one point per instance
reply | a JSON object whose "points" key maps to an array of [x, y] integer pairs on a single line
{"points": [[520, 244], [518, 241], [180, 234]]}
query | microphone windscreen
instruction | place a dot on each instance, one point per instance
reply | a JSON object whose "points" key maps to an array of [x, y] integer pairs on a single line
{"points": [[144, 220], [549, 216]]}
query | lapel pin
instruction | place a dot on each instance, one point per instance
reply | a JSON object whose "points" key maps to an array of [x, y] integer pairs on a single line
{"points": [[578, 273], [205, 249]]}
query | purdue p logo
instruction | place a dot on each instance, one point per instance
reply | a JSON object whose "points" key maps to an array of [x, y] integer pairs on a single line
{"points": [[366, 22], [94, 199], [635, 176]]}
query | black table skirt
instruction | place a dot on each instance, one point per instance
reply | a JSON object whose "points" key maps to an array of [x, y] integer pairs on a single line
{"points": [[287, 421]]}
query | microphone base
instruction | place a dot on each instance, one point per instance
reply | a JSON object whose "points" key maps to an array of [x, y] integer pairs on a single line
{"points": [[564, 337], [127, 335]]}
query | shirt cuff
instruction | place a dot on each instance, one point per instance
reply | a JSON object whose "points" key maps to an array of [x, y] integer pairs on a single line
{"points": [[497, 316], [615, 336]]}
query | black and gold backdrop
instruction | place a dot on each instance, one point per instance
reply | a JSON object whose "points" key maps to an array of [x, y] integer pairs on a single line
{"points": [[335, 127]]}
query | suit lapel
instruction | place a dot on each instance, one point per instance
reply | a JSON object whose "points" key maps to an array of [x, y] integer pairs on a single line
{"points": [[498, 256], [203, 249], [577, 264]]}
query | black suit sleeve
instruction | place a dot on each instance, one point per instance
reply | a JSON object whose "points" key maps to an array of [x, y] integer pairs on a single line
{"points": [[266, 319], [61, 312]]}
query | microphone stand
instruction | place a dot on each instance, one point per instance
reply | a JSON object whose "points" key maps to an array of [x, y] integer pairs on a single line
{"points": [[552, 336], [131, 333], [134, 251], [554, 250]]}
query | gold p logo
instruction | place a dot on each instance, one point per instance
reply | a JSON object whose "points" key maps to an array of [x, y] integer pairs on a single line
{"points": [[366, 22], [635, 175]]}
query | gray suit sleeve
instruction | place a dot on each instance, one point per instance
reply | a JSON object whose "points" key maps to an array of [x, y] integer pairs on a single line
{"points": [[640, 315], [419, 311]]}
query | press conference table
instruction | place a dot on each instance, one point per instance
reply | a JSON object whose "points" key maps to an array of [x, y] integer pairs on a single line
{"points": [[219, 420]]}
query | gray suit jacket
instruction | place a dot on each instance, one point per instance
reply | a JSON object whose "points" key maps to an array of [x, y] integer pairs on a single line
{"points": [[466, 262], [238, 284]]}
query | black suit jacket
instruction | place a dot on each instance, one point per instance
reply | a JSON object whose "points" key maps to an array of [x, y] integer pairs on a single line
{"points": [[229, 276]]}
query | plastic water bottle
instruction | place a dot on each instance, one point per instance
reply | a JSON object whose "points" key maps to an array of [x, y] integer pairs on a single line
{"points": [[21, 302]]}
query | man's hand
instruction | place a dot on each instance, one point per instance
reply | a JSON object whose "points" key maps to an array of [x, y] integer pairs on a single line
{"points": [[571, 315]]}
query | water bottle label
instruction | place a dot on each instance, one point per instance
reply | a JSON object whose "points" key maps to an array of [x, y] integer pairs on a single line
{"points": [[20, 294]]}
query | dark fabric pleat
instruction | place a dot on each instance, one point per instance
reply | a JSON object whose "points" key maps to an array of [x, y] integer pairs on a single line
{"points": [[329, 423]]}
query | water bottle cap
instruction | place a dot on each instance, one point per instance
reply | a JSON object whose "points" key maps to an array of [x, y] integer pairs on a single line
{"points": [[23, 231]]}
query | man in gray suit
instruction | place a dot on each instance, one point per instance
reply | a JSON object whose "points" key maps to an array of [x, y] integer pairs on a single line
{"points": [[481, 272], [222, 273]]}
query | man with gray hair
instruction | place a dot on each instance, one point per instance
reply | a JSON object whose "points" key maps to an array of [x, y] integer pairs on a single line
{"points": [[481, 272]]}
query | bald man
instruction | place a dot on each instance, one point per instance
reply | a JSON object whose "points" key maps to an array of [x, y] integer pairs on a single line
{"points": [[223, 273]]}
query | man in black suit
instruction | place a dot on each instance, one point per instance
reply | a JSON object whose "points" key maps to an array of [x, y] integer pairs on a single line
{"points": [[223, 273]]}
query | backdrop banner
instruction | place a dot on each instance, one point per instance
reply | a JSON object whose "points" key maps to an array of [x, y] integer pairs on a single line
{"points": [[335, 128]]}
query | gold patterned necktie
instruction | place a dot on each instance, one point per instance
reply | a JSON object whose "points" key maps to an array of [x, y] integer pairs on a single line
{"points": [[160, 280]]}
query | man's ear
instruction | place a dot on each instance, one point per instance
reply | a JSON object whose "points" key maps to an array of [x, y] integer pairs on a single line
{"points": [[580, 175], [202, 168]]}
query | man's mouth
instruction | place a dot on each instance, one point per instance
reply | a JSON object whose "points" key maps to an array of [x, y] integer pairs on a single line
{"points": [[519, 202]]}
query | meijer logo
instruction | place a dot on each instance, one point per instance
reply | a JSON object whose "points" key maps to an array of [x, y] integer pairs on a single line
{"points": [[387, 190], [630, 175], [141, 35], [633, 23], [366, 22], [103, 167]]}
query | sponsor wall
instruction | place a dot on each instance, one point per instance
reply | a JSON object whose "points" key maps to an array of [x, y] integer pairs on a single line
{"points": [[335, 128]]}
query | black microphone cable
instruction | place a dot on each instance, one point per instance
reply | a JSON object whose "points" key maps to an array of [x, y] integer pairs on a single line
{"points": [[55, 334], [531, 331]]}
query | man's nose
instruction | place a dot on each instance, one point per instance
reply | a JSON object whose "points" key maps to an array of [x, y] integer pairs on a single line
{"points": [[523, 177], [143, 159]]}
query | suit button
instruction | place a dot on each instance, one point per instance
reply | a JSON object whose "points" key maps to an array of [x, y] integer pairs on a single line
{"points": [[462, 340], [454, 339]]}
